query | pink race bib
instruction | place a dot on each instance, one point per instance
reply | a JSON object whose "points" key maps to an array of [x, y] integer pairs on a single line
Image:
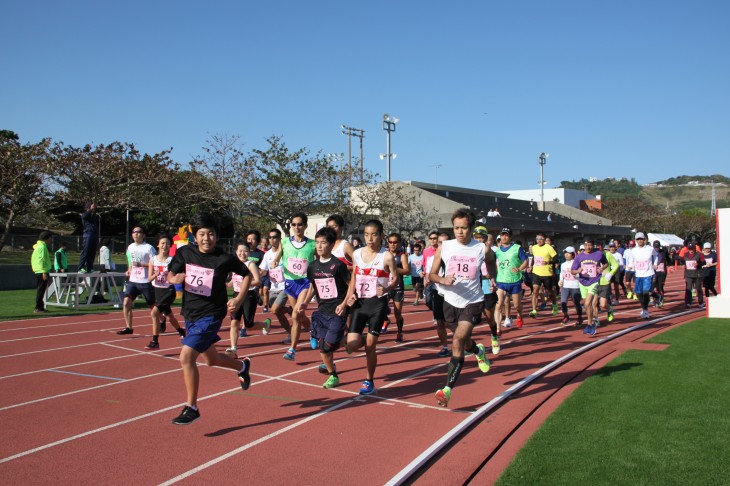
{"points": [[691, 265], [660, 267], [462, 267], [589, 268], [236, 281], [568, 275], [326, 288], [137, 274], [539, 261], [365, 286], [198, 280], [161, 279], [642, 265], [485, 274], [708, 261], [276, 275], [297, 266]]}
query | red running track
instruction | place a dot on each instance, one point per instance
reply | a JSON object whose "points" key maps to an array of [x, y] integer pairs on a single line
{"points": [[81, 405]]}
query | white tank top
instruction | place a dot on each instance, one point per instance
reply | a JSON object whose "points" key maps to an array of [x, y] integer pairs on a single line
{"points": [[161, 280], [339, 253], [464, 262], [369, 275]]}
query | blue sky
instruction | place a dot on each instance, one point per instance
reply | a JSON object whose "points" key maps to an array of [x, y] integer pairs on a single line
{"points": [[609, 89]]}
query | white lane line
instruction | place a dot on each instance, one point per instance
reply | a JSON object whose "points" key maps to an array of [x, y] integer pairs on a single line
{"points": [[87, 375]]}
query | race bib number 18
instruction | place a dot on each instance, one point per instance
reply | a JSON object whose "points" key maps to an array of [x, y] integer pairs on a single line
{"points": [[198, 280], [462, 267]]}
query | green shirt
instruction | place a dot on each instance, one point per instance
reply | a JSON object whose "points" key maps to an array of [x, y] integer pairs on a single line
{"points": [[506, 261], [291, 258], [41, 258], [60, 262]]}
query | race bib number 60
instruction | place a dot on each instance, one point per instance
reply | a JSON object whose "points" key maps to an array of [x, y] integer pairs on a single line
{"points": [[297, 266], [198, 280]]}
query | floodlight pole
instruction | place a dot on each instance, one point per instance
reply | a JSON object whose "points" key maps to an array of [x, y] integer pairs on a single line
{"points": [[389, 126], [542, 160]]}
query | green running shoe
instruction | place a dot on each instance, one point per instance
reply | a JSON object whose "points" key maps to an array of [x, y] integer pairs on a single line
{"points": [[610, 314], [331, 382], [443, 396], [555, 309], [495, 345], [482, 360], [533, 313]]}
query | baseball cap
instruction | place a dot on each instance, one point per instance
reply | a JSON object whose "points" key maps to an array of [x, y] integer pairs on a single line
{"points": [[632, 243], [481, 230], [612, 245], [581, 247], [639, 236], [569, 249], [657, 244], [707, 245], [506, 230]]}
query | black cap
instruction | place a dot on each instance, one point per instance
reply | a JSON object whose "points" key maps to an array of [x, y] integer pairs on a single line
{"points": [[657, 244], [506, 230]]}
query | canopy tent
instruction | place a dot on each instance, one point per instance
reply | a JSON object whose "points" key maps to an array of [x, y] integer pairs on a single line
{"points": [[665, 239]]}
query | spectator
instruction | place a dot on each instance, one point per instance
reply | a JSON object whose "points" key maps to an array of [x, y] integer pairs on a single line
{"points": [[356, 242], [90, 221], [550, 216], [41, 263], [60, 260], [497, 213], [105, 256]]}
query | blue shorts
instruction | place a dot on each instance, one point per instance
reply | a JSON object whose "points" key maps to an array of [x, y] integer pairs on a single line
{"points": [[510, 288], [266, 281], [133, 289], [331, 329], [202, 334], [643, 285], [295, 287]]}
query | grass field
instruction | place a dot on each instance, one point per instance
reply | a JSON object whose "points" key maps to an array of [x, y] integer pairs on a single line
{"points": [[23, 256], [648, 417]]}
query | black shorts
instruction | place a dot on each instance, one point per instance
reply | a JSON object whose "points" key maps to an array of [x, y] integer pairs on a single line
{"points": [[370, 312], [629, 276], [164, 297], [490, 300], [547, 282], [330, 328], [396, 295], [604, 291], [472, 313], [438, 306], [133, 289], [416, 280]]}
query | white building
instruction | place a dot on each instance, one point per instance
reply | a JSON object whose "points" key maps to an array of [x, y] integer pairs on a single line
{"points": [[569, 197]]}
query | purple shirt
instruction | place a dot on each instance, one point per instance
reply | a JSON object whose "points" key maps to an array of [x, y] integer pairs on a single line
{"points": [[590, 266]]}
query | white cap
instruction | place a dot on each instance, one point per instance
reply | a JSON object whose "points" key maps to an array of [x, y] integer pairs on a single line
{"points": [[639, 235], [582, 247], [569, 249], [707, 245]]}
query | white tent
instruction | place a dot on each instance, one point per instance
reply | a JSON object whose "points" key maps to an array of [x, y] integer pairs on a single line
{"points": [[665, 240]]}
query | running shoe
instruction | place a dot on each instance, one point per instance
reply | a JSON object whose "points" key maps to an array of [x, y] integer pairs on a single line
{"points": [[556, 310], [126, 330], [694, 292], [244, 376], [291, 355], [163, 325], [443, 396], [579, 323], [533, 313], [482, 360], [232, 353], [565, 321], [266, 309], [153, 345], [182, 332], [495, 345], [629, 295], [542, 306], [267, 325], [596, 322], [499, 332], [367, 388], [399, 337], [610, 314], [384, 329], [646, 314], [634, 297], [416, 303], [520, 322], [444, 353], [590, 330], [507, 323], [187, 417], [703, 306], [313, 342], [243, 332], [331, 382], [660, 303]]}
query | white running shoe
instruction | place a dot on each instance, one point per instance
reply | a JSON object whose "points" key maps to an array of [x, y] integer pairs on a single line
{"points": [[507, 322]]}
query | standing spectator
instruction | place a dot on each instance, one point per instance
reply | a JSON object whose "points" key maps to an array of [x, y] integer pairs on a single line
{"points": [[709, 270], [105, 256], [497, 214], [356, 242], [90, 221], [41, 263], [60, 261]]}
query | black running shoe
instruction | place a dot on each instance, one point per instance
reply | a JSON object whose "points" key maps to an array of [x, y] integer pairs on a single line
{"points": [[126, 330], [244, 375], [153, 345], [188, 416], [181, 331]]}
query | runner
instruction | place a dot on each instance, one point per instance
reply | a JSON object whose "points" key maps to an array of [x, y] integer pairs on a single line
{"points": [[397, 293], [544, 256], [489, 284], [331, 279], [693, 263], [604, 285], [164, 292], [415, 261], [641, 262], [368, 295], [437, 300], [296, 253], [276, 295], [204, 269], [589, 266], [463, 296], [660, 276], [630, 273], [139, 255], [253, 240], [618, 277], [709, 270], [569, 287], [511, 261], [247, 311], [343, 249]]}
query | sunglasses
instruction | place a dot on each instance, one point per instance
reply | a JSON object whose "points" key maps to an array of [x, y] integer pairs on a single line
{"points": [[273, 237], [433, 238], [393, 242]]}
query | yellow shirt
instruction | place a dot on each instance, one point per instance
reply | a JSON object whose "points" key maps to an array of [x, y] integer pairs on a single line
{"points": [[543, 259]]}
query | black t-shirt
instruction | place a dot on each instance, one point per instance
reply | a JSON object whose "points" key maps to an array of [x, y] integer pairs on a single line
{"points": [[693, 269], [205, 291], [319, 274], [256, 256], [710, 258]]}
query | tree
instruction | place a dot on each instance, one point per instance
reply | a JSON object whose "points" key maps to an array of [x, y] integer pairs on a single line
{"points": [[23, 178]]}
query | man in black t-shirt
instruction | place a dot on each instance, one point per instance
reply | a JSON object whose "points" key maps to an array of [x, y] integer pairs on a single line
{"points": [[330, 279], [203, 270]]}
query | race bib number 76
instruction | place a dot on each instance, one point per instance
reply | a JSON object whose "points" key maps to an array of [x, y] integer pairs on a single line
{"points": [[198, 280]]}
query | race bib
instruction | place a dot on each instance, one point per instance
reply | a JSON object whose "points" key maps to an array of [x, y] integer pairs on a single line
{"points": [[642, 265], [137, 274], [297, 266], [365, 286], [539, 261], [691, 264], [198, 280], [485, 273], [276, 275], [660, 267], [161, 279], [236, 281], [462, 267], [589, 268], [568, 275], [326, 288], [708, 261]]}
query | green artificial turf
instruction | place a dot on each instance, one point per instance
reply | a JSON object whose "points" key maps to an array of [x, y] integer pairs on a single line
{"points": [[648, 417]]}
